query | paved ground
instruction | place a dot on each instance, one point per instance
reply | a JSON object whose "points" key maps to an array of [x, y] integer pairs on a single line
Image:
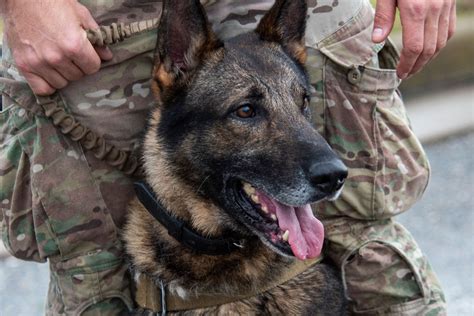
{"points": [[442, 113], [23, 288]]}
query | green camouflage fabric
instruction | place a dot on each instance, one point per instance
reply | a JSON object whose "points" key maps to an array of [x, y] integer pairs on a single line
{"points": [[60, 204]]}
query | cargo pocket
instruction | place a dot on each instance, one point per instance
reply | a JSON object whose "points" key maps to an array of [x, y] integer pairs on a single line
{"points": [[22, 231], [365, 122], [387, 274], [54, 194], [65, 188], [101, 288]]}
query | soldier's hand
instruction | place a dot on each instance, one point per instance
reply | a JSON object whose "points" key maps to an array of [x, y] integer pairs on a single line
{"points": [[49, 44], [426, 25]]}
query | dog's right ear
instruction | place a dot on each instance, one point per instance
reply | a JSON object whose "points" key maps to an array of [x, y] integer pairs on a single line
{"points": [[285, 23], [185, 39]]}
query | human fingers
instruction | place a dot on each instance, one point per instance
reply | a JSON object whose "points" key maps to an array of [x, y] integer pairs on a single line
{"points": [[89, 23], [431, 37], [63, 65], [53, 78], [384, 20], [39, 85], [451, 23], [70, 71], [452, 20], [77, 48], [413, 16], [104, 53], [31, 63], [81, 52], [443, 26]]}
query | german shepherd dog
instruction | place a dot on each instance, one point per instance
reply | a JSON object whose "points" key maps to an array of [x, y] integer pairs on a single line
{"points": [[230, 154]]}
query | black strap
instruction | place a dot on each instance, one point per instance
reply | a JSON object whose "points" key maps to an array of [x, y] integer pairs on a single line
{"points": [[178, 230]]}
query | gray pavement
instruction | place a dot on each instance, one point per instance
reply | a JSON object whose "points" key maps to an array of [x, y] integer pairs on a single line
{"points": [[23, 287], [440, 113]]}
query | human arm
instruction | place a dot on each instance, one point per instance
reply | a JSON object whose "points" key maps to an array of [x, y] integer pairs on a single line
{"points": [[427, 25], [48, 42]]}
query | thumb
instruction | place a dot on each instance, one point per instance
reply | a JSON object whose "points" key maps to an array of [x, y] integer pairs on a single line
{"points": [[384, 19], [89, 23]]}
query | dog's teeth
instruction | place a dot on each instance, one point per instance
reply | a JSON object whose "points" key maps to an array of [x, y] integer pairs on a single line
{"points": [[255, 198], [273, 216], [264, 209], [249, 189], [286, 235]]}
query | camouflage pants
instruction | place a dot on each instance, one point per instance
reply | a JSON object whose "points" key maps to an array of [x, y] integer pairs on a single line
{"points": [[59, 203]]}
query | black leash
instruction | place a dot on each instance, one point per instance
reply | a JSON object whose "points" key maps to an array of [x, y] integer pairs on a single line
{"points": [[179, 231]]}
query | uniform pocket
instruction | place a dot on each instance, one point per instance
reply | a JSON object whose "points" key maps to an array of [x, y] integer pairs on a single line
{"points": [[366, 271], [365, 122], [54, 198], [19, 226], [99, 289], [405, 170], [18, 223], [385, 273]]}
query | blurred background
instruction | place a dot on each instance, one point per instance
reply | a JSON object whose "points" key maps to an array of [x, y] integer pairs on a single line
{"points": [[440, 103]]}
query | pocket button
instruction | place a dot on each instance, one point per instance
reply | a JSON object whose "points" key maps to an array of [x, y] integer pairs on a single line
{"points": [[354, 76]]}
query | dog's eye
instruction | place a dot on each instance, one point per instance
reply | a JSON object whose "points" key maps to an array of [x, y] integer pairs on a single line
{"points": [[245, 111]]}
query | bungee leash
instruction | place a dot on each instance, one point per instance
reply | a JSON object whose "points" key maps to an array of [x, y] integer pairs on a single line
{"points": [[53, 106]]}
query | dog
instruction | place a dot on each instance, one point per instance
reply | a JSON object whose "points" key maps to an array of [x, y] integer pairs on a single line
{"points": [[232, 164]]}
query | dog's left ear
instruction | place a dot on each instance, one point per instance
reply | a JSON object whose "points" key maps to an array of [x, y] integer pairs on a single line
{"points": [[185, 39], [285, 23]]}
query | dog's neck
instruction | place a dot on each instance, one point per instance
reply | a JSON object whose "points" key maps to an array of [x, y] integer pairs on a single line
{"points": [[176, 195], [181, 231]]}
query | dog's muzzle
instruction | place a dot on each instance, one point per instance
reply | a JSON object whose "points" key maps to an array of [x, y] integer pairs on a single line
{"points": [[328, 177]]}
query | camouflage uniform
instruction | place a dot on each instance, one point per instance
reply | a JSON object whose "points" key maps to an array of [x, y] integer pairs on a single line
{"points": [[59, 203]]}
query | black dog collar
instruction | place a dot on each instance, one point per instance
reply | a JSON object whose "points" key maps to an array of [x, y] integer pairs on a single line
{"points": [[178, 230]]}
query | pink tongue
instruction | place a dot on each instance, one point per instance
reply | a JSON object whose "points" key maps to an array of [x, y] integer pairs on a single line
{"points": [[306, 232]]}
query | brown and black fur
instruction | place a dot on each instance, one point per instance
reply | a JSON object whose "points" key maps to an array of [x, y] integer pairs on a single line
{"points": [[195, 149]]}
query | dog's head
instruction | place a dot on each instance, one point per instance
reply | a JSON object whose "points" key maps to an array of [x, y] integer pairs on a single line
{"points": [[233, 119]]}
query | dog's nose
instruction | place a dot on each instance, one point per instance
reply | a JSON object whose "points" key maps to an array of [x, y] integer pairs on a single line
{"points": [[328, 177]]}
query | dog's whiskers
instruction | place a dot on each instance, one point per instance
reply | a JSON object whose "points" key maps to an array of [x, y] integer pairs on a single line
{"points": [[202, 183]]}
